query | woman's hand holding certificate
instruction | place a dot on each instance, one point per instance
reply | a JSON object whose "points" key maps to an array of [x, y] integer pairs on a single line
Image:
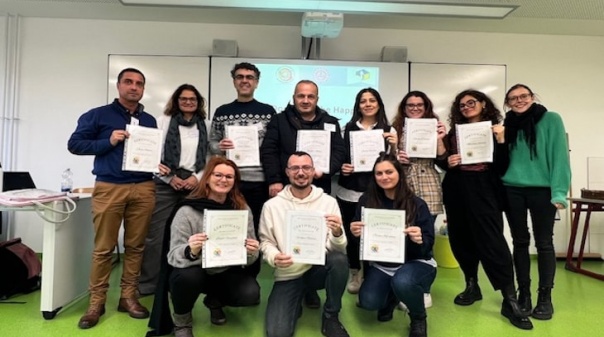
{"points": [[382, 235], [226, 243], [475, 142]]}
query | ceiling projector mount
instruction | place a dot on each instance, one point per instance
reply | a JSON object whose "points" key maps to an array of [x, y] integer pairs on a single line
{"points": [[322, 25]]}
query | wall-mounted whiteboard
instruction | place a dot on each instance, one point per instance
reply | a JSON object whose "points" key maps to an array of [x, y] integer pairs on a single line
{"points": [[338, 81], [163, 74], [443, 81]]}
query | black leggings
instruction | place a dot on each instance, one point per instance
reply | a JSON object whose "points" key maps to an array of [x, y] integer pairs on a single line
{"points": [[348, 210], [543, 212], [233, 287]]}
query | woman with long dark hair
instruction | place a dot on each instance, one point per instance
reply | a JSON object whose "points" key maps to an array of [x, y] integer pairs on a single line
{"points": [[368, 114], [473, 198], [537, 180], [421, 173], [183, 160], [386, 284], [182, 272]]}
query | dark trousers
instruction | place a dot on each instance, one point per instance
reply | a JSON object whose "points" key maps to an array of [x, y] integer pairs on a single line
{"points": [[475, 224], [380, 290], [348, 210], [233, 287], [165, 199], [285, 301], [256, 194], [537, 200]]}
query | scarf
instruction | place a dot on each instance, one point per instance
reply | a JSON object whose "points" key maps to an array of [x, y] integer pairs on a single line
{"points": [[524, 122], [172, 145], [161, 320]]}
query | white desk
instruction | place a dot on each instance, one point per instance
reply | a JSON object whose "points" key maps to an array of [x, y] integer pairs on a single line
{"points": [[67, 255]]}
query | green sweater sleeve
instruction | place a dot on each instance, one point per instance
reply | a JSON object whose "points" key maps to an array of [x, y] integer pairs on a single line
{"points": [[558, 159]]}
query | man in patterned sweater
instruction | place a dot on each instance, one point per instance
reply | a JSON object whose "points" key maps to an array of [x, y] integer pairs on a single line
{"points": [[244, 111]]}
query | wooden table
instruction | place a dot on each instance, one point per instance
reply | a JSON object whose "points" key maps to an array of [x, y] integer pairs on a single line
{"points": [[588, 206]]}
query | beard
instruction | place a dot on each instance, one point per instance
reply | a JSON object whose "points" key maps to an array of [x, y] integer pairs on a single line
{"points": [[300, 186]]}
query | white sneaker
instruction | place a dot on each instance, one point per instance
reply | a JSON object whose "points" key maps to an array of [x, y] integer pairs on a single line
{"points": [[427, 300], [427, 303], [354, 281], [401, 306]]}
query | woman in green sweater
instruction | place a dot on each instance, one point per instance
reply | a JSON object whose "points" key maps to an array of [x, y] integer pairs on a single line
{"points": [[537, 180]]}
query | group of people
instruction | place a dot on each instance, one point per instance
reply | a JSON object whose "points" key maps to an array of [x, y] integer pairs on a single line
{"points": [[163, 213]]}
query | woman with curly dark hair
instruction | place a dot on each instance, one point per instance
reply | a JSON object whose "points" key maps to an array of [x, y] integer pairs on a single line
{"points": [[473, 198]]}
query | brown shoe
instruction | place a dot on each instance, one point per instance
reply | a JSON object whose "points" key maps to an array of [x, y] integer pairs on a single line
{"points": [[92, 315], [133, 307]]}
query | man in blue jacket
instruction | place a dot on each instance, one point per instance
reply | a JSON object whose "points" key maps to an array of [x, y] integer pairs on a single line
{"points": [[118, 195]]}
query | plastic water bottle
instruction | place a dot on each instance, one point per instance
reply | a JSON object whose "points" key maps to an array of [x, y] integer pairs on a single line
{"points": [[1, 179], [67, 181]]}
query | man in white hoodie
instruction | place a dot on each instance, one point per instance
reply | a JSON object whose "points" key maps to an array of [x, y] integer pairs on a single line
{"points": [[293, 280]]}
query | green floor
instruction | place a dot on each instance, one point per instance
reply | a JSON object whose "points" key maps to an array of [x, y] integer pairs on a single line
{"points": [[578, 301]]}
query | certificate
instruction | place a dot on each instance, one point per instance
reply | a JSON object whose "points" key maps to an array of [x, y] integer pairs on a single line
{"points": [[142, 149], [306, 234], [317, 143], [226, 231], [475, 142], [365, 147], [245, 141], [420, 137], [383, 238]]}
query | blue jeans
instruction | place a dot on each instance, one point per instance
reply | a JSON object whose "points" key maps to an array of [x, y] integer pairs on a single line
{"points": [[380, 291], [284, 305]]}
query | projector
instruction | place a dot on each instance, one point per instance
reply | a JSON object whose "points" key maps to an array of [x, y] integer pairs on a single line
{"points": [[320, 25]]}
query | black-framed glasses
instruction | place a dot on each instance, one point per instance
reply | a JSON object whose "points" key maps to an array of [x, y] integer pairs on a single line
{"points": [[304, 168], [219, 176], [414, 106], [469, 104], [522, 97], [187, 99], [240, 77]]}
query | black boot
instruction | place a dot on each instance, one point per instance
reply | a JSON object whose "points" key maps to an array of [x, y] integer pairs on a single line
{"points": [[511, 310], [470, 295], [418, 327], [524, 300], [544, 308]]}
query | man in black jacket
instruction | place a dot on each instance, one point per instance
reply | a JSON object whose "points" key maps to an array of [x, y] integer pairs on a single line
{"points": [[282, 131]]}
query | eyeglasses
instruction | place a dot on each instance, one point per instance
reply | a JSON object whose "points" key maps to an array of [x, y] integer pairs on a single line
{"points": [[469, 104], [219, 176], [414, 106], [305, 168], [522, 97], [187, 99], [247, 77]]}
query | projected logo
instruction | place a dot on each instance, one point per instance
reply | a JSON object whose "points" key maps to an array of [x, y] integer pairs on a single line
{"points": [[365, 76], [321, 75], [285, 74]]}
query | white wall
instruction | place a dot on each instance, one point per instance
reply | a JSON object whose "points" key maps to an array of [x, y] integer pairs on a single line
{"points": [[64, 68]]}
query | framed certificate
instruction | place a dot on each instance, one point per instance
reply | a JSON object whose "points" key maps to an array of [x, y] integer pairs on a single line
{"points": [[317, 143], [306, 235], [383, 238], [475, 142], [245, 141], [365, 147], [142, 149], [226, 231], [420, 137]]}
